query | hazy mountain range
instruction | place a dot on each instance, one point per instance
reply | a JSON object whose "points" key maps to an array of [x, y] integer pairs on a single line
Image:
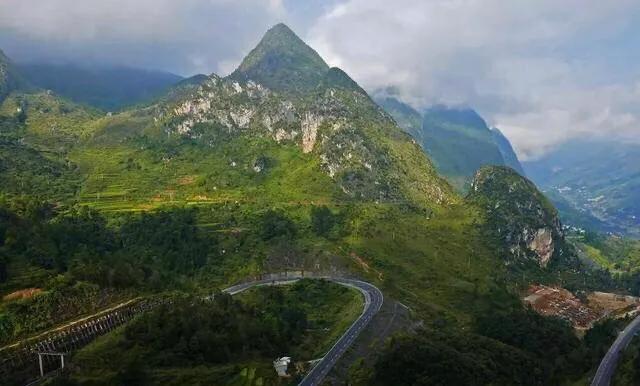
{"points": [[598, 181], [109, 88]]}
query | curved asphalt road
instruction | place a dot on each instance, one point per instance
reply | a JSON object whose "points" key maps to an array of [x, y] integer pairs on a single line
{"points": [[373, 300], [610, 360]]}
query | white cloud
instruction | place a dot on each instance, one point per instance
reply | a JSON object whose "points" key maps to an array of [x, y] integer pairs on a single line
{"points": [[185, 36], [526, 66]]}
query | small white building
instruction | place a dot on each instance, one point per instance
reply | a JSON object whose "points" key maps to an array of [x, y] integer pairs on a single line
{"points": [[281, 365]]}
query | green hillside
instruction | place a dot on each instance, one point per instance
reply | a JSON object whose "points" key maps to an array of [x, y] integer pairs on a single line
{"points": [[459, 141]]}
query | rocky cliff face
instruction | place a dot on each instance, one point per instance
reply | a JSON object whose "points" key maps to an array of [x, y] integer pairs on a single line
{"points": [[523, 220]]}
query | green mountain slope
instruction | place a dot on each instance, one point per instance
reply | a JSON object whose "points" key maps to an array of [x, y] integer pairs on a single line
{"points": [[237, 149], [405, 116], [457, 140], [37, 132], [108, 88], [597, 178]]}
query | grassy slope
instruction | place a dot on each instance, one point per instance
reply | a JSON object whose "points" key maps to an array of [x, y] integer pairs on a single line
{"points": [[53, 124], [436, 264], [612, 253], [121, 177], [475, 147], [35, 152]]}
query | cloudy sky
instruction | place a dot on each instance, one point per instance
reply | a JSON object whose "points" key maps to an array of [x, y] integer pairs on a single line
{"points": [[543, 71]]}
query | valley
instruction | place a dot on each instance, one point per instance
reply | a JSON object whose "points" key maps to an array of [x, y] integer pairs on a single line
{"points": [[596, 189]]}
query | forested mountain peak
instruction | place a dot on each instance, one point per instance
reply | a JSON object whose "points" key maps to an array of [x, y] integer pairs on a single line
{"points": [[518, 213]]}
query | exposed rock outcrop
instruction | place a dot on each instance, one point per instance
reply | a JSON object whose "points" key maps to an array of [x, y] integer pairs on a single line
{"points": [[521, 217], [310, 125], [542, 245]]}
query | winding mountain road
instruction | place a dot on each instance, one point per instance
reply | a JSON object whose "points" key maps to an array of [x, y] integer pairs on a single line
{"points": [[610, 361], [373, 300]]}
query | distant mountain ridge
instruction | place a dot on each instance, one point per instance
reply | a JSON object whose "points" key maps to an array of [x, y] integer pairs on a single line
{"points": [[107, 88], [458, 140]]}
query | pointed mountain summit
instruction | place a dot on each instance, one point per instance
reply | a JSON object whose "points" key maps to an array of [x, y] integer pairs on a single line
{"points": [[282, 62]]}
